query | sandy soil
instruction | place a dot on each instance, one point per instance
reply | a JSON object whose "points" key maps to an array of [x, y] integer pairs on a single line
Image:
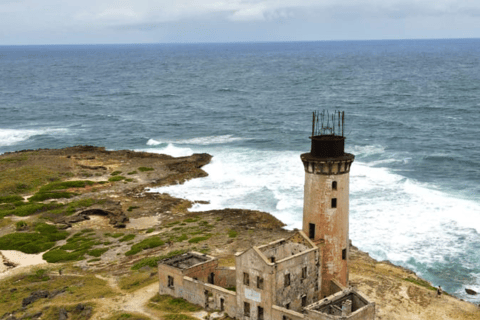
{"points": [[22, 261]]}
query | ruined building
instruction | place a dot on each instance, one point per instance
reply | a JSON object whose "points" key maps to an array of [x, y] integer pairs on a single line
{"points": [[302, 277]]}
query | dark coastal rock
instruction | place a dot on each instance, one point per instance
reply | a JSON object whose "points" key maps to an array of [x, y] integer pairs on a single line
{"points": [[470, 291], [55, 293], [31, 316], [34, 296]]}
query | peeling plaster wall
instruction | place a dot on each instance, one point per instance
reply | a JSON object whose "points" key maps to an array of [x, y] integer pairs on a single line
{"points": [[163, 272], [283, 249], [278, 313], [331, 224], [298, 287], [250, 262]]}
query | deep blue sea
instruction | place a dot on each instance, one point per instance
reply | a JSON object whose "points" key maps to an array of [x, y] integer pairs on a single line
{"points": [[412, 120]]}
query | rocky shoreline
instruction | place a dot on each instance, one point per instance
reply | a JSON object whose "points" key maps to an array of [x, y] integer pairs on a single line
{"points": [[108, 225]]}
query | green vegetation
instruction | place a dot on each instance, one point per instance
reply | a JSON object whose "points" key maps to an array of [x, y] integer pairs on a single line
{"points": [[26, 209], [190, 220], [50, 191], [150, 230], [232, 233], [24, 179], [10, 199], [116, 178], [115, 173], [133, 172], [136, 280], [130, 315], [33, 242], [128, 237], [169, 304], [199, 239], [97, 252], [94, 260], [148, 243], [76, 247], [234, 289], [129, 180], [144, 169], [132, 207], [20, 225], [153, 261], [14, 159], [178, 316], [421, 282], [73, 206]]}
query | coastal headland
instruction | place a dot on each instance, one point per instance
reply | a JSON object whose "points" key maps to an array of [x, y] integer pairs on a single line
{"points": [[80, 237]]}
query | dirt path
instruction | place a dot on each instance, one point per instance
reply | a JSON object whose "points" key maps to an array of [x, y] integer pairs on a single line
{"points": [[127, 301]]}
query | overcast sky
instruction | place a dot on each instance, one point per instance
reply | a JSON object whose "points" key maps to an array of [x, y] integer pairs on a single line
{"points": [[147, 21]]}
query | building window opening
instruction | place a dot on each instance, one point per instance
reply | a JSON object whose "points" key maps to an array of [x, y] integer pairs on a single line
{"points": [[287, 306], [344, 254], [246, 279], [170, 282], [334, 185], [272, 259], [246, 309], [260, 313], [222, 304], [211, 278], [304, 301], [334, 202], [285, 318], [259, 283], [311, 230], [287, 280], [304, 273]]}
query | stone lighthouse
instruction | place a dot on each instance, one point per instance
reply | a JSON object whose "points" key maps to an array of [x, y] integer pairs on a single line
{"points": [[326, 197]]}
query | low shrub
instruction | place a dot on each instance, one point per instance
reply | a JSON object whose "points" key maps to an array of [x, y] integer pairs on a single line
{"points": [[199, 239], [116, 178], [144, 169], [10, 199], [232, 234], [145, 244], [128, 237], [132, 207], [115, 173], [97, 252], [33, 242]]}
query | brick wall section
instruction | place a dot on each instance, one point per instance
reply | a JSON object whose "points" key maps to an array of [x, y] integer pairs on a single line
{"points": [[225, 277], [202, 271]]}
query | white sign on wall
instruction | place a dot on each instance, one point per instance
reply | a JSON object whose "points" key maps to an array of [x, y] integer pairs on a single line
{"points": [[253, 295]]}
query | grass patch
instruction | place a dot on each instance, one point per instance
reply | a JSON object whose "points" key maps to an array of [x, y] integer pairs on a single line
{"points": [[148, 243], [10, 199], [94, 260], [129, 180], [234, 289], [97, 252], [133, 172], [199, 239], [178, 316], [421, 282], [79, 289], [24, 179], [190, 220], [232, 233], [150, 230], [34, 242], [27, 209], [128, 237], [51, 195], [136, 280], [129, 315], [169, 304], [132, 208], [153, 261], [21, 225], [73, 206], [144, 169], [62, 185], [116, 178], [115, 173]]}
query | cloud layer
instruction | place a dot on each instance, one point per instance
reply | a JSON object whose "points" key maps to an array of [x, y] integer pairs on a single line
{"points": [[167, 20]]}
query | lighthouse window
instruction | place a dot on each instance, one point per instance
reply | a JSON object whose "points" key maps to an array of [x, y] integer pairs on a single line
{"points": [[334, 202], [344, 254], [334, 185], [311, 230]]}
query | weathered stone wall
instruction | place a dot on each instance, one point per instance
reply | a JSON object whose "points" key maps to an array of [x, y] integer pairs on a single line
{"points": [[331, 224], [254, 265], [225, 277], [283, 249], [163, 272], [278, 313], [309, 286], [202, 271]]}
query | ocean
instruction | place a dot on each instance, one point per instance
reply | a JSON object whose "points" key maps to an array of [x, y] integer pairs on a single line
{"points": [[412, 121]]}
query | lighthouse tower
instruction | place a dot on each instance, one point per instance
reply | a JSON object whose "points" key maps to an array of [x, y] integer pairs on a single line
{"points": [[326, 196]]}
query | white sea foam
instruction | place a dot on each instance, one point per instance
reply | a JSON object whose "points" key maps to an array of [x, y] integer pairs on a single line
{"points": [[9, 137], [391, 217], [202, 141], [171, 150]]}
